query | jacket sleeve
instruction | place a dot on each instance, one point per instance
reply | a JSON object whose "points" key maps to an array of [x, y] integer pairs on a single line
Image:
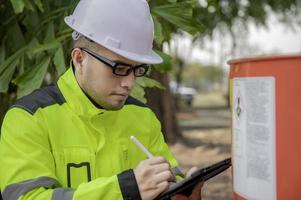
{"points": [[28, 168]]}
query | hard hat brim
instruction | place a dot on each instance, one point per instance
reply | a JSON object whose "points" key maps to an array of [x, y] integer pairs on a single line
{"points": [[152, 58]]}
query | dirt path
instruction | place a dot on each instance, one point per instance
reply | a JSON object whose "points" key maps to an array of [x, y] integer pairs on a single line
{"points": [[203, 144]]}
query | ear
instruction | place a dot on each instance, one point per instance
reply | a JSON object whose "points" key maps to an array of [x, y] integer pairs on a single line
{"points": [[77, 59]]}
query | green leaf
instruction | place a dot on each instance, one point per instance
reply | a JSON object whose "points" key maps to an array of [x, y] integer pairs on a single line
{"points": [[166, 66], [168, 30], [7, 74], [29, 5], [12, 58], [59, 60], [33, 44], [2, 52], [141, 83], [15, 36], [148, 82], [39, 5], [32, 78], [49, 33], [48, 46], [18, 5], [21, 66], [138, 93], [44, 47], [158, 31], [31, 21], [180, 15]]}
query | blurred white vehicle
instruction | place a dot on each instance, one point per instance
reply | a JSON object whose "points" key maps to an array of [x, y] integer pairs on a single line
{"points": [[184, 93]]}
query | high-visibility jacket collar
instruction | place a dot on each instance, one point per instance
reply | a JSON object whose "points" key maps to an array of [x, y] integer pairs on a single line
{"points": [[75, 97]]}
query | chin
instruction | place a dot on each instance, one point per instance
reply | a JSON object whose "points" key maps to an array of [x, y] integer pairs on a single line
{"points": [[116, 106]]}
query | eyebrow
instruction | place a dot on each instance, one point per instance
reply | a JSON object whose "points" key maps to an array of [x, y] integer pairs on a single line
{"points": [[108, 58], [130, 65], [120, 62]]}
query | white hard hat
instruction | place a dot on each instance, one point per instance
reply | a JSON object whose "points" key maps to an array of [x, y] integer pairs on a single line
{"points": [[122, 26]]}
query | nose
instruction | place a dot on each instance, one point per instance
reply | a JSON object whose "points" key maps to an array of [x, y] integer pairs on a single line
{"points": [[128, 81]]}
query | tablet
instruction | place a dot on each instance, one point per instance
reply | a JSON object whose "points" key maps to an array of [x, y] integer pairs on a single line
{"points": [[186, 185]]}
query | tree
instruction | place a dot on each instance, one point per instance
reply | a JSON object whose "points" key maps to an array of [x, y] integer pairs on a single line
{"points": [[172, 16], [35, 42], [33, 38], [232, 17], [224, 15]]}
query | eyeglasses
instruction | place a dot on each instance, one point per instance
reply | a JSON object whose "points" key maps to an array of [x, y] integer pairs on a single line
{"points": [[120, 69]]}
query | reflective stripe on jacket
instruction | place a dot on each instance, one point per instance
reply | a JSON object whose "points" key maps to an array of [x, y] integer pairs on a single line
{"points": [[55, 144]]}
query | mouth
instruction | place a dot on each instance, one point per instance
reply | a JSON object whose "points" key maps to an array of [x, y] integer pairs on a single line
{"points": [[121, 94]]}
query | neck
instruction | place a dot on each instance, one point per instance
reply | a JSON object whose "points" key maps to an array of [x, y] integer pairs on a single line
{"points": [[87, 95]]}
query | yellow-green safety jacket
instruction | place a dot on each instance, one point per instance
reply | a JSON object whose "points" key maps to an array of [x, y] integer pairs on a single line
{"points": [[56, 144]]}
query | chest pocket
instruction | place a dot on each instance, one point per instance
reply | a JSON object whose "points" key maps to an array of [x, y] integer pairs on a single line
{"points": [[79, 165]]}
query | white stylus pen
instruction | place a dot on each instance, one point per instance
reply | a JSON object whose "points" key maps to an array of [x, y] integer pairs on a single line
{"points": [[134, 139], [175, 170]]}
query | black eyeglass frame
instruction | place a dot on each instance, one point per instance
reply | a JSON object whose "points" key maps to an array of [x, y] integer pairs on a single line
{"points": [[114, 65]]}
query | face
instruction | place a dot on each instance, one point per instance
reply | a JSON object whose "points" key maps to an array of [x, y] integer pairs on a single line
{"points": [[98, 81]]}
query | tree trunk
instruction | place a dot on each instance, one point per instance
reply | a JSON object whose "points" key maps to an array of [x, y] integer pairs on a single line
{"points": [[4, 105], [6, 100], [163, 104]]}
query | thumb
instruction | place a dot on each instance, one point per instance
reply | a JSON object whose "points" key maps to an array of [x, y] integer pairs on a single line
{"points": [[191, 171], [197, 192], [179, 197]]}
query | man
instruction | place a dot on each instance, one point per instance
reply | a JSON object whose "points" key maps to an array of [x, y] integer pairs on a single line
{"points": [[71, 140]]}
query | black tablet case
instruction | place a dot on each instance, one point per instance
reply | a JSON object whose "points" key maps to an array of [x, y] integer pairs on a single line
{"points": [[186, 185]]}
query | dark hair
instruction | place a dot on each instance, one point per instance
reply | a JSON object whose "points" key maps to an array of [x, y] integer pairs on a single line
{"points": [[83, 42]]}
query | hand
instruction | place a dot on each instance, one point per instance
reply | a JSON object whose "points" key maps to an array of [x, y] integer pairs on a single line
{"points": [[195, 195], [196, 192], [153, 176]]}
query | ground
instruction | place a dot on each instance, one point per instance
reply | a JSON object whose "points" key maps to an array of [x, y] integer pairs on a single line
{"points": [[207, 139]]}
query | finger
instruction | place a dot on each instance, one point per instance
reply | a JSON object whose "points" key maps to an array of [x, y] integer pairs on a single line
{"points": [[191, 171], [164, 176], [165, 167], [161, 167], [162, 186], [179, 197], [197, 192], [157, 160]]}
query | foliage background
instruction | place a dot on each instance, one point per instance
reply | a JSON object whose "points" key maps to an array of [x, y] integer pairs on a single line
{"points": [[35, 42]]}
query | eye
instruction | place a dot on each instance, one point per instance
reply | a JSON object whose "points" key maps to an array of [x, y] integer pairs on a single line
{"points": [[140, 70], [122, 69]]}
